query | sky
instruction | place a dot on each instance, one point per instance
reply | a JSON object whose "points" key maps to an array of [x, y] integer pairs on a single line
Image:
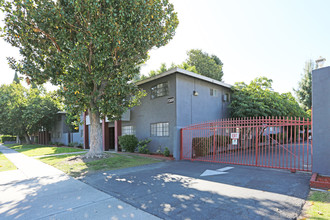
{"points": [[253, 38]]}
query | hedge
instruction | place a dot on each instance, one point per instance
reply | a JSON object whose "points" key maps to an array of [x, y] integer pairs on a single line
{"points": [[4, 138]]}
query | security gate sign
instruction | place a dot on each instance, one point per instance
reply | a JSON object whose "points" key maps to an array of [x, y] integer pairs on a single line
{"points": [[234, 137]]}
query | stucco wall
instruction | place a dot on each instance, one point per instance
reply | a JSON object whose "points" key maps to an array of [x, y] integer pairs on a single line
{"points": [[59, 132], [321, 120], [153, 111], [185, 110], [192, 109]]}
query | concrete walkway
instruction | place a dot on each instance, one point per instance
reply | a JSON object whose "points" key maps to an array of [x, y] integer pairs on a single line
{"points": [[39, 191]]}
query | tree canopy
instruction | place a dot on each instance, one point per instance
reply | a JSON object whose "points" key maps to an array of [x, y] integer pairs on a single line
{"points": [[24, 111], [259, 99], [304, 91], [206, 65], [91, 49], [198, 62], [16, 79]]}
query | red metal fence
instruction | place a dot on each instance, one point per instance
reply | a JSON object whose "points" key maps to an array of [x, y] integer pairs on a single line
{"points": [[284, 143]]}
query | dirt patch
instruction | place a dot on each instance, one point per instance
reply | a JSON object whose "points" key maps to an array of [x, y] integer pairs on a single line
{"points": [[83, 159]]}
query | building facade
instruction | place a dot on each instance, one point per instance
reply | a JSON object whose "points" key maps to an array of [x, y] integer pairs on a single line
{"points": [[175, 99], [60, 133]]}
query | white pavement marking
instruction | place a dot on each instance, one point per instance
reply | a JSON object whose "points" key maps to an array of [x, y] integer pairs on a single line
{"points": [[211, 173], [225, 169], [216, 172]]}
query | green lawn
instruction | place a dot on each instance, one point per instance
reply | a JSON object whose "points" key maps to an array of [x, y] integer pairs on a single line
{"points": [[5, 164], [318, 206], [84, 166], [39, 150]]}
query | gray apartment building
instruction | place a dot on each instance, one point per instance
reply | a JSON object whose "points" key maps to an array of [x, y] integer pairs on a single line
{"points": [[175, 99]]}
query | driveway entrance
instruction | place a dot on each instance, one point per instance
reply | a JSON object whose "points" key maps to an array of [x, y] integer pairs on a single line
{"points": [[283, 143], [176, 190]]}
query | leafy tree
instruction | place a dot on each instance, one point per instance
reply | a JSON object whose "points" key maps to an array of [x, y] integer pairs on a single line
{"points": [[24, 111], [90, 48], [161, 69], [259, 99], [210, 66], [16, 79], [304, 91], [197, 62], [186, 66]]}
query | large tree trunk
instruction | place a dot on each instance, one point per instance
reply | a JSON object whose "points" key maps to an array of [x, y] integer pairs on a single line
{"points": [[96, 148], [18, 141], [27, 138]]}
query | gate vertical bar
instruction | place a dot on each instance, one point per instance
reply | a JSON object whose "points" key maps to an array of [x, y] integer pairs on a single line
{"points": [[181, 145], [257, 143], [214, 144]]}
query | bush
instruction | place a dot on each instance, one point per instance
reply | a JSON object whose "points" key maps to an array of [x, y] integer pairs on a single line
{"points": [[128, 142], [7, 138], [166, 152], [143, 146], [73, 144], [159, 150], [58, 144]]}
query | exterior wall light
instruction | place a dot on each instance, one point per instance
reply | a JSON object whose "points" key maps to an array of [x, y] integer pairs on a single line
{"points": [[195, 93]]}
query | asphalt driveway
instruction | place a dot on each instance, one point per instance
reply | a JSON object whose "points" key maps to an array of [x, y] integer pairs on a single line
{"points": [[176, 190]]}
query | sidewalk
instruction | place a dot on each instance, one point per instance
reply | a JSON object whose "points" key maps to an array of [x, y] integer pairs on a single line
{"points": [[39, 191]]}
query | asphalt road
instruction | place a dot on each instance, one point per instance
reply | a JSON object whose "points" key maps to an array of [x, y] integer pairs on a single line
{"points": [[176, 190]]}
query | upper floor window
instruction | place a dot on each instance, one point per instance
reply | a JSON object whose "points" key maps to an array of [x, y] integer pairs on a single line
{"points": [[128, 130], [159, 90], [213, 92], [226, 97]]}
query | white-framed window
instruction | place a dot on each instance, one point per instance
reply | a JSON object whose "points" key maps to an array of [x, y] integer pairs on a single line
{"points": [[213, 92], [128, 130], [160, 129], [159, 90]]}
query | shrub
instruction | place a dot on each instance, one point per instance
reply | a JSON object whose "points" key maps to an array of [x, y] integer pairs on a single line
{"points": [[128, 142], [58, 144], [166, 152], [73, 144], [7, 138], [159, 150], [143, 146]]}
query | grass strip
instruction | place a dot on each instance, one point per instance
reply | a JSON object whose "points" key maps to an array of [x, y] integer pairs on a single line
{"points": [[317, 206], [81, 167], [6, 164], [39, 150]]}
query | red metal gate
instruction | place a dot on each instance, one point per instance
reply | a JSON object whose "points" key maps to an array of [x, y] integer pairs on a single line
{"points": [[283, 143]]}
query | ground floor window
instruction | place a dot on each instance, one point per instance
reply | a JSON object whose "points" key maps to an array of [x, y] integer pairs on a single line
{"points": [[160, 129], [128, 130]]}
